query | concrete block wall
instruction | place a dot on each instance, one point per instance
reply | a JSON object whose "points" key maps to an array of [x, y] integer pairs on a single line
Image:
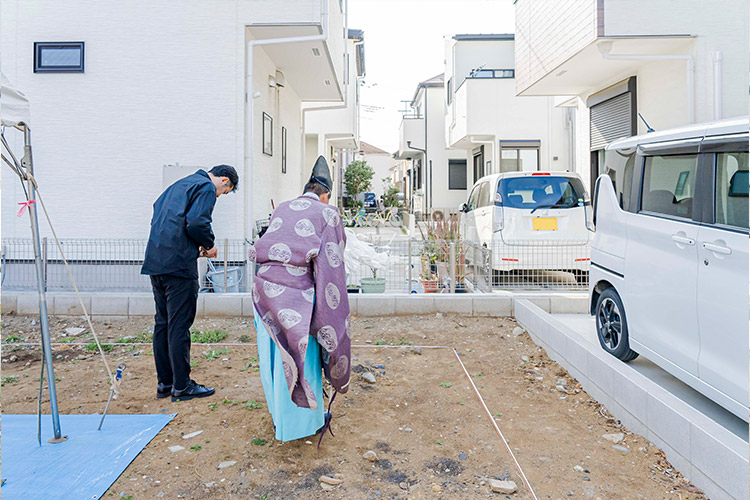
{"points": [[709, 455], [123, 305]]}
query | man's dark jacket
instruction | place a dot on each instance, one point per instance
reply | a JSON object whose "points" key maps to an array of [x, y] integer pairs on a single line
{"points": [[181, 223]]}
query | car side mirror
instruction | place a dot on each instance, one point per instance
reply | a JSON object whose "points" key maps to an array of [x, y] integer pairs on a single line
{"points": [[463, 207]]}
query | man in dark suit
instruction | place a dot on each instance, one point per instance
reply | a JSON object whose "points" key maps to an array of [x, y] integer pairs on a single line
{"points": [[180, 233]]}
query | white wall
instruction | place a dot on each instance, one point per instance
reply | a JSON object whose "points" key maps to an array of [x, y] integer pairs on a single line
{"points": [[164, 84], [548, 33], [469, 54]]}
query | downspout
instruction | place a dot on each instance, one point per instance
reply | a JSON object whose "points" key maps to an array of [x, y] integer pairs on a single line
{"points": [[604, 48], [251, 96], [717, 85]]}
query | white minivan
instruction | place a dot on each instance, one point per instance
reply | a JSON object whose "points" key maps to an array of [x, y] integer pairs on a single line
{"points": [[531, 221], [669, 260]]}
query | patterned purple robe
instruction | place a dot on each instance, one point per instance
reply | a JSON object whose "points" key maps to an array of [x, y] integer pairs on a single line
{"points": [[300, 290]]}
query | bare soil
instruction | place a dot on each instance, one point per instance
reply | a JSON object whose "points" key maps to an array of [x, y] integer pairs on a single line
{"points": [[431, 435]]}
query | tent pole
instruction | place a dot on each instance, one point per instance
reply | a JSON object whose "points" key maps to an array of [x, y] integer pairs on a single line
{"points": [[28, 164]]}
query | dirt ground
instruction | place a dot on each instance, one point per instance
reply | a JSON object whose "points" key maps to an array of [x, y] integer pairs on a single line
{"points": [[423, 420]]}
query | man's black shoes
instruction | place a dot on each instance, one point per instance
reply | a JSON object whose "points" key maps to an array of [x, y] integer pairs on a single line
{"points": [[163, 391], [192, 391]]}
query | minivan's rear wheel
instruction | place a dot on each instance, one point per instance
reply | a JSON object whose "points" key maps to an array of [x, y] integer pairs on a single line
{"points": [[612, 326]]}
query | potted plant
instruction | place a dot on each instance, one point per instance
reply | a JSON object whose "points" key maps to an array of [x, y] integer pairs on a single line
{"points": [[374, 284]]}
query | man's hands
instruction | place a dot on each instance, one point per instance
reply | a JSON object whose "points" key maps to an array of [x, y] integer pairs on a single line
{"points": [[211, 254]]}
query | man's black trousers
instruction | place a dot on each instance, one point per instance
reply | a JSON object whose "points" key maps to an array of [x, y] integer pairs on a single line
{"points": [[176, 301]]}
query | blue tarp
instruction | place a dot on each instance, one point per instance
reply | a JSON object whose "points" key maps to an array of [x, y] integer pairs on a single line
{"points": [[84, 466]]}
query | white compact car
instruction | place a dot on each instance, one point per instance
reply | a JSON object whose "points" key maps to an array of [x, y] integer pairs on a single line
{"points": [[669, 260], [530, 220]]}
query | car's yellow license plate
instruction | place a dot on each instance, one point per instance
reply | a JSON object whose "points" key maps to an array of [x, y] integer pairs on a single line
{"points": [[544, 224]]}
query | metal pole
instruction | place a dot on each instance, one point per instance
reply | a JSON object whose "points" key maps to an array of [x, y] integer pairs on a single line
{"points": [[226, 260], [409, 265], [44, 260], [452, 257], [28, 164]]}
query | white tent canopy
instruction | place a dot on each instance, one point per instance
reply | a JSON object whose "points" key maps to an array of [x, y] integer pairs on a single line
{"points": [[14, 106]]}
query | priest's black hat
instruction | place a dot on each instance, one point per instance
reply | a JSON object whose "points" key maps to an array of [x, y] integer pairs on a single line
{"points": [[322, 174]]}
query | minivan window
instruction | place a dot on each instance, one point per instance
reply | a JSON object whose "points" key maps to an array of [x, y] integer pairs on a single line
{"points": [[473, 198], [484, 195], [669, 185], [539, 191], [618, 164], [731, 202]]}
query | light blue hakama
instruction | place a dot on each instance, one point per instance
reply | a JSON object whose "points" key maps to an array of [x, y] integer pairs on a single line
{"points": [[290, 421]]}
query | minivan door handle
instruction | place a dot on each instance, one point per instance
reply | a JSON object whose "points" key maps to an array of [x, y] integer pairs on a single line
{"points": [[683, 240], [720, 249]]}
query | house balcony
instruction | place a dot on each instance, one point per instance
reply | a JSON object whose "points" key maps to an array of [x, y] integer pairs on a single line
{"points": [[411, 133], [599, 43], [481, 107], [314, 69]]}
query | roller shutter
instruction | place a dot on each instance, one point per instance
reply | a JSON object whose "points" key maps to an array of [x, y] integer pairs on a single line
{"points": [[610, 120]]}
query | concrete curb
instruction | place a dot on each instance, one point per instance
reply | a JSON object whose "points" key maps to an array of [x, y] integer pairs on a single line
{"points": [[706, 453], [124, 305]]}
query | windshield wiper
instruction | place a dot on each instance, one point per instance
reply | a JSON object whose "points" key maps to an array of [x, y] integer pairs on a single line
{"points": [[546, 206]]}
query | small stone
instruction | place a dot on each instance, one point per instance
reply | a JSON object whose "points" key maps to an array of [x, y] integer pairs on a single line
{"points": [[175, 449], [578, 468], [13, 358], [518, 331], [407, 429], [228, 463], [371, 456], [327, 487], [33, 322], [333, 481], [208, 485], [192, 434], [503, 486], [615, 438], [308, 442], [368, 377], [525, 359], [436, 488], [403, 485], [620, 448], [73, 331]]}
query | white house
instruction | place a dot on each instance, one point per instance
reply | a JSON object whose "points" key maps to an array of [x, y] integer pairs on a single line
{"points": [[128, 96], [380, 161], [331, 129], [422, 142], [674, 63], [498, 131]]}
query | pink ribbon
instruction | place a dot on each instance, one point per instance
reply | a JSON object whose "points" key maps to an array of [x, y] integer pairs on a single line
{"points": [[24, 205]]}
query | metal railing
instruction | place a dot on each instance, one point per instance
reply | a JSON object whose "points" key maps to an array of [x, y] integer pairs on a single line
{"points": [[415, 265], [111, 265]]}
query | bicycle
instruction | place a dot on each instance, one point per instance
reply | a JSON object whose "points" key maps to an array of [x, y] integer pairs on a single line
{"points": [[391, 216], [360, 219]]}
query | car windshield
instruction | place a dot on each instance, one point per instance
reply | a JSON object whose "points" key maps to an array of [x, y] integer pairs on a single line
{"points": [[539, 191]]}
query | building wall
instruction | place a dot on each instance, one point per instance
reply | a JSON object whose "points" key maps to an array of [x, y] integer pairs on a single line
{"points": [[719, 27], [164, 84], [469, 55], [438, 195], [548, 33]]}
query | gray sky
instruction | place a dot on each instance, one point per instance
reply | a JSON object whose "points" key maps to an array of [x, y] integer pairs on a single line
{"points": [[404, 45]]}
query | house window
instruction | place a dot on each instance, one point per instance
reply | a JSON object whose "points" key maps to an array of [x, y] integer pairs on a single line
{"points": [[519, 156], [456, 174], [58, 57], [449, 90]]}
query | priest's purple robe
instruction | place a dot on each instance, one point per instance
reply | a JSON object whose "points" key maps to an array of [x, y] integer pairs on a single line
{"points": [[300, 290]]}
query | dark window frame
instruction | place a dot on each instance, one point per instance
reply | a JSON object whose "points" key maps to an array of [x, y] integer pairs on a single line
{"points": [[39, 47], [283, 149], [454, 164]]}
